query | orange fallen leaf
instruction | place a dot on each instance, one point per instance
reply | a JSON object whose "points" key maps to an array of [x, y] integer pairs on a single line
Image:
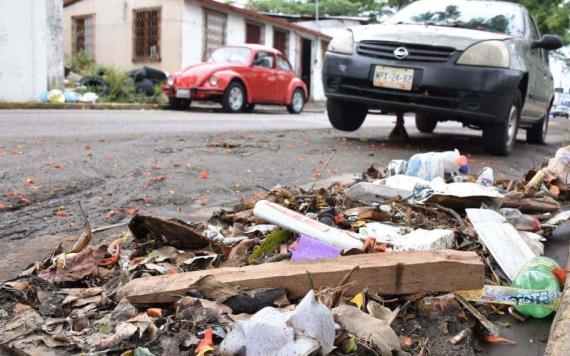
{"points": [[24, 200], [497, 340], [3, 206], [177, 165], [560, 275], [406, 341], [204, 175], [87, 146], [30, 181], [61, 213], [113, 259], [58, 165], [154, 312], [131, 210], [158, 178]]}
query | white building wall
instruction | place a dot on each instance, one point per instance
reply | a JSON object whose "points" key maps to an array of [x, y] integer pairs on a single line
{"points": [[29, 54], [114, 31]]}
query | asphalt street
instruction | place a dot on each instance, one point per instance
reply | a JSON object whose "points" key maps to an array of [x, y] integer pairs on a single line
{"points": [[184, 164]]}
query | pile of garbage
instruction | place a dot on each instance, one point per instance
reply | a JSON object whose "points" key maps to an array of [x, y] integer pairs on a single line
{"points": [[415, 258], [90, 88]]}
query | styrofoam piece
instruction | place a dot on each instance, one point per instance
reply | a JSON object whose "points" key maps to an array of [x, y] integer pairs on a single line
{"points": [[371, 192]]}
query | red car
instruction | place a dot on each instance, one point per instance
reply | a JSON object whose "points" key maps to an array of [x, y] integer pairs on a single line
{"points": [[239, 77]]}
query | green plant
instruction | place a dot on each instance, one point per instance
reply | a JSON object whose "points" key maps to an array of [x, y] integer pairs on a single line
{"points": [[82, 62], [118, 87]]}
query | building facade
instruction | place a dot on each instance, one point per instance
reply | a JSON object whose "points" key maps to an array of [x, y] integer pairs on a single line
{"points": [[172, 34], [31, 48]]}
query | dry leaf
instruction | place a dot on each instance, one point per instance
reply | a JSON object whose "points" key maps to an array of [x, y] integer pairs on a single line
{"points": [[204, 175], [131, 210], [61, 213]]}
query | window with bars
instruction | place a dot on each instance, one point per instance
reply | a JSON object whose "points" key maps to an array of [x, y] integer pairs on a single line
{"points": [[254, 33], [146, 35], [83, 34], [215, 24], [281, 41]]}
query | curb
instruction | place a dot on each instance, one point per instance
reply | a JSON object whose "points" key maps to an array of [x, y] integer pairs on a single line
{"points": [[124, 106], [559, 338], [78, 106]]}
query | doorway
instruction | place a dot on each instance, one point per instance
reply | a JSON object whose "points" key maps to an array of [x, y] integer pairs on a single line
{"points": [[306, 61]]}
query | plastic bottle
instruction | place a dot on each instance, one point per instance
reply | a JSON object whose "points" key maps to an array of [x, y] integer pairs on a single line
{"points": [[486, 177], [537, 275], [519, 220], [436, 164]]}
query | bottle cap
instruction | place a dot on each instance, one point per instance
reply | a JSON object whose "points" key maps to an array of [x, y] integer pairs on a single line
{"points": [[464, 169]]}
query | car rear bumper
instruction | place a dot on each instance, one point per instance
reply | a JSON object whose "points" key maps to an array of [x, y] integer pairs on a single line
{"points": [[452, 92]]}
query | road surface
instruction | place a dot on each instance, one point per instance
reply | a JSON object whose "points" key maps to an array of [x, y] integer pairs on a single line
{"points": [[157, 161]]}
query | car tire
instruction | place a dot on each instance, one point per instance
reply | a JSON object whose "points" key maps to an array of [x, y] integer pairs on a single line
{"points": [[425, 123], [249, 108], [297, 102], [499, 139], [178, 104], [234, 99], [536, 134], [346, 116]]}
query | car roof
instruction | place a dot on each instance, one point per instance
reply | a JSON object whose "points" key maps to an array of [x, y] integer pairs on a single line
{"points": [[256, 47]]}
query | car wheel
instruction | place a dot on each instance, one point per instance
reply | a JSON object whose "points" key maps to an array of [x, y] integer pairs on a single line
{"points": [[234, 99], [249, 108], [178, 104], [425, 123], [297, 102], [346, 116], [536, 134], [499, 139]]}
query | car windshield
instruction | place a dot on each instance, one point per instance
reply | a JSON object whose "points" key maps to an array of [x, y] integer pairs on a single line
{"points": [[231, 54], [476, 15]]}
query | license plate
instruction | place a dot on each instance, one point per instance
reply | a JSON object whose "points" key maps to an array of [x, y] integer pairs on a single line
{"points": [[394, 78], [183, 93]]}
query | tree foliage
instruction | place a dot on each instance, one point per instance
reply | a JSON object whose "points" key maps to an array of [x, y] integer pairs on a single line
{"points": [[552, 16]]}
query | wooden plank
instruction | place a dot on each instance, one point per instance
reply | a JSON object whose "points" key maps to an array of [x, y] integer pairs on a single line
{"points": [[532, 205], [385, 273], [501, 239]]}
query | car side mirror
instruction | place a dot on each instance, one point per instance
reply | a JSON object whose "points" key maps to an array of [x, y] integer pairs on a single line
{"points": [[548, 42]]}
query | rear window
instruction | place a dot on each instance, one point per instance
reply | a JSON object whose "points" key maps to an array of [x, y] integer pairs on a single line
{"points": [[476, 15]]}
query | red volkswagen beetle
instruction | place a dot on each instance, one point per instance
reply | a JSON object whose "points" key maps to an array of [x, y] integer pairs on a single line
{"points": [[239, 77]]}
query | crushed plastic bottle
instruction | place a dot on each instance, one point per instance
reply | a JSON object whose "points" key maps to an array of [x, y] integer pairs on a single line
{"points": [[537, 275], [431, 165], [486, 177], [519, 220]]}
